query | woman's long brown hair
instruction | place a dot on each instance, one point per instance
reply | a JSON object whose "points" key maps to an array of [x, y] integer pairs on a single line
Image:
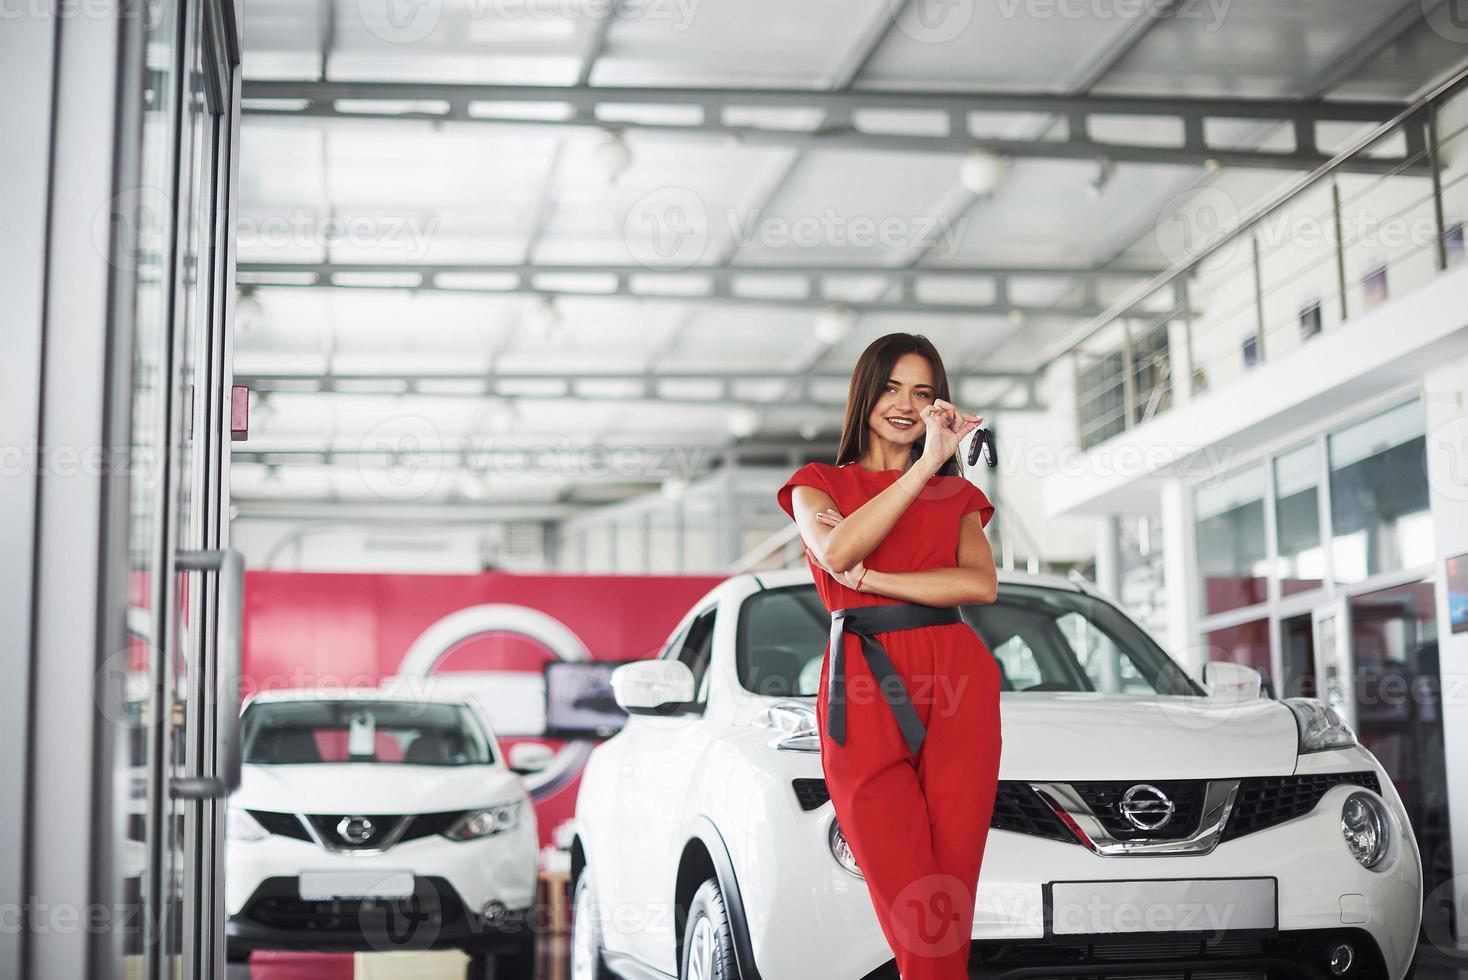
{"points": [[869, 378]]}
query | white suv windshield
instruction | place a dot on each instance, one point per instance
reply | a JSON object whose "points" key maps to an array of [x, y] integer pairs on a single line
{"points": [[1044, 639], [396, 732]]}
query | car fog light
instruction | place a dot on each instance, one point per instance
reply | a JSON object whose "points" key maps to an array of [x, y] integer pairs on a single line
{"points": [[1341, 958], [841, 851], [493, 911], [1365, 828]]}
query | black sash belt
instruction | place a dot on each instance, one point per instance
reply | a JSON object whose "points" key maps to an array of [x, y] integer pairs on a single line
{"points": [[865, 621]]}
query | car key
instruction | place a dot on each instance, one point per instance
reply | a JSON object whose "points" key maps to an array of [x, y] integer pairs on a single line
{"points": [[983, 439]]}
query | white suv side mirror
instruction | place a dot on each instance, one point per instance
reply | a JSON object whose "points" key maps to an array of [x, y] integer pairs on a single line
{"points": [[530, 756], [1226, 679], [652, 686]]}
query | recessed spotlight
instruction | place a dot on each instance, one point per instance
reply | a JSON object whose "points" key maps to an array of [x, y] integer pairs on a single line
{"points": [[743, 421], [980, 171], [834, 324], [612, 156]]}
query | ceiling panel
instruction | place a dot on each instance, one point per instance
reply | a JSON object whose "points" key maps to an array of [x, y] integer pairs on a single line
{"points": [[1004, 45], [1253, 48], [766, 43]]}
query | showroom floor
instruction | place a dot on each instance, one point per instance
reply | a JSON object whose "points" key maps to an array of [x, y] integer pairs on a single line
{"points": [[1432, 965]]}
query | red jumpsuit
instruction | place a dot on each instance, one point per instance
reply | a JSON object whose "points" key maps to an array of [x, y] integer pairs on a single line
{"points": [[916, 826]]}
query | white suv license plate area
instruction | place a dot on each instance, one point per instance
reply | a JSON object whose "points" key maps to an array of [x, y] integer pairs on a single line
{"points": [[318, 886], [1167, 905]]}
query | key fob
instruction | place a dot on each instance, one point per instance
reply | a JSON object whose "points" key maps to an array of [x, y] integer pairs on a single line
{"points": [[983, 440]]}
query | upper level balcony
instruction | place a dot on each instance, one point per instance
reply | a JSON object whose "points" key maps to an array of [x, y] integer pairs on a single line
{"points": [[1341, 286]]}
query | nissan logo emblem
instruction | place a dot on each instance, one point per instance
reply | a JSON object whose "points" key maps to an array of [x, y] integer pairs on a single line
{"points": [[1146, 807], [355, 830]]}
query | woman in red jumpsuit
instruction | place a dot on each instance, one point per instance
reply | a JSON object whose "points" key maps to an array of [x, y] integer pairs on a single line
{"points": [[908, 703]]}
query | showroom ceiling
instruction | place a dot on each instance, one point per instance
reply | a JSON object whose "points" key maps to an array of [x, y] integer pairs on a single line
{"points": [[455, 239]]}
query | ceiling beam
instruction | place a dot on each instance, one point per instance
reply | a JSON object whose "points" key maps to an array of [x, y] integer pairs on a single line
{"points": [[810, 286], [629, 463], [578, 105], [625, 386]]}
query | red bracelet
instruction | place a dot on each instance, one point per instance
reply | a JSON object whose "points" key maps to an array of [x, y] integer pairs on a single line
{"points": [[860, 577]]}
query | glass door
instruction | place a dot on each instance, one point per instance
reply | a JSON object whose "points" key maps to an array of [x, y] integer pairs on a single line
{"points": [[181, 584]]}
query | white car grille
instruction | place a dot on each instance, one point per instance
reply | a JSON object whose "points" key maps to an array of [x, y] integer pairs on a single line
{"points": [[1127, 816]]}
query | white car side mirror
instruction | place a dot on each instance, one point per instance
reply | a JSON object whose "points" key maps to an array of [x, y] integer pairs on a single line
{"points": [[1226, 679], [652, 686], [530, 756]]}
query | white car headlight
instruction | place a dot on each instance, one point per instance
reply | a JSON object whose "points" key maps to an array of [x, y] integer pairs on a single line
{"points": [[841, 851], [1320, 727], [1365, 826], [486, 823], [795, 721], [239, 825]]}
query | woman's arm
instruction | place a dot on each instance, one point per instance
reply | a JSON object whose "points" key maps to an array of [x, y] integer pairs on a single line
{"points": [[973, 580], [846, 545]]}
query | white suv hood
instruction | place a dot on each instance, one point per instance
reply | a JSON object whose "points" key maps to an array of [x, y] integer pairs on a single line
{"points": [[1066, 735], [373, 788]]}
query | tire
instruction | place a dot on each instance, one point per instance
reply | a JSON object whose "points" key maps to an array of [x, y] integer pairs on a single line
{"points": [[586, 940], [708, 941]]}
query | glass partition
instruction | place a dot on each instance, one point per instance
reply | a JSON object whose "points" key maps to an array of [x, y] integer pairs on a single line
{"points": [[1229, 516], [1378, 495]]}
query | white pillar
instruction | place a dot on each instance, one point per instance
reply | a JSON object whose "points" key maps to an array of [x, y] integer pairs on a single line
{"points": [[1179, 574], [1108, 556]]}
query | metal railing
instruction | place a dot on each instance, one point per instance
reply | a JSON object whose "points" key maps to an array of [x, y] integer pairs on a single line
{"points": [[1323, 249]]}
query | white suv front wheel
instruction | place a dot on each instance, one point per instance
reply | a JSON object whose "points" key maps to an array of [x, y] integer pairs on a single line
{"points": [[586, 942], [708, 942]]}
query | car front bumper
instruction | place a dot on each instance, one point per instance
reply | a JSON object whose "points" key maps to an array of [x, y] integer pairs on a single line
{"points": [[1322, 893], [1302, 953], [454, 880], [435, 917]]}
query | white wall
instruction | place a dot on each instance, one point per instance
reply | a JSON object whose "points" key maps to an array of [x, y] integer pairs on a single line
{"points": [[407, 547]]}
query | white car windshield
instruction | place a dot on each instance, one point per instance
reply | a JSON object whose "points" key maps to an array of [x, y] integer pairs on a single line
{"points": [[1044, 639], [391, 732]]}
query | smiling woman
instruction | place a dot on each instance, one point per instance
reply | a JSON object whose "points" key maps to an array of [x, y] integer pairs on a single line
{"points": [[895, 536]]}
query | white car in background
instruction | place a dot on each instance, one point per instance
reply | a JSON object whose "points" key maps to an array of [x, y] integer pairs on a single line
{"points": [[368, 821], [1255, 836]]}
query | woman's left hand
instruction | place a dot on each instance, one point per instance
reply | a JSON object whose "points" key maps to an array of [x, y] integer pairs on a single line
{"points": [[851, 576]]}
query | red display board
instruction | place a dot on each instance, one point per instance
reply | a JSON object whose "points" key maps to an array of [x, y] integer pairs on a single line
{"points": [[488, 634]]}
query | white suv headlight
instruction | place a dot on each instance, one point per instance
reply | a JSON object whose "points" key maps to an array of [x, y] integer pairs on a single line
{"points": [[239, 825], [486, 823], [796, 723], [1320, 727], [1365, 826]]}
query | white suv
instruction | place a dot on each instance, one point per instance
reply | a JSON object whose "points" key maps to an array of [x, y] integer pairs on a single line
{"points": [[371, 821], [1146, 824]]}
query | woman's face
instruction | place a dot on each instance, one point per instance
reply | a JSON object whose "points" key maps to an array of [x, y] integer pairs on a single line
{"points": [[904, 396]]}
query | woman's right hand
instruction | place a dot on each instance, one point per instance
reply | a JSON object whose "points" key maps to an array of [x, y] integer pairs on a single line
{"points": [[946, 427]]}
